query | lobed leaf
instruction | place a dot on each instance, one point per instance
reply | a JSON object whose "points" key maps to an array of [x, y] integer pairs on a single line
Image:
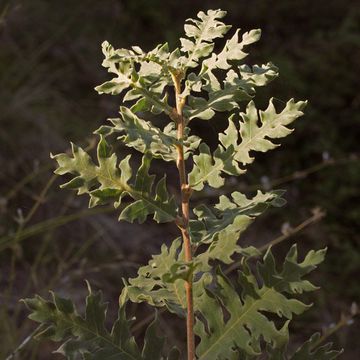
{"points": [[145, 137], [225, 98], [239, 84], [235, 145], [310, 350], [221, 226], [156, 284], [223, 336], [273, 125], [201, 34], [87, 337], [110, 181], [145, 85]]}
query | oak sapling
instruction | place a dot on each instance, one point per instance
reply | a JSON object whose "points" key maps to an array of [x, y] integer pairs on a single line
{"points": [[224, 319]]}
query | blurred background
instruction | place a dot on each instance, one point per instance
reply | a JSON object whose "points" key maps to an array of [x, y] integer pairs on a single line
{"points": [[50, 61]]}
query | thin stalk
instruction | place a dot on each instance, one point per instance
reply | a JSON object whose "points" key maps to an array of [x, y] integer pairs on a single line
{"points": [[318, 214], [24, 343], [345, 320], [10, 240], [183, 223]]}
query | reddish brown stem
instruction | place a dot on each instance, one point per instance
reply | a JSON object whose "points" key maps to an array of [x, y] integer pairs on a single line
{"points": [[184, 225]]}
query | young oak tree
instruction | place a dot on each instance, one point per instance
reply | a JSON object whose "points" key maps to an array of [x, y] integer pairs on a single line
{"points": [[245, 319]]}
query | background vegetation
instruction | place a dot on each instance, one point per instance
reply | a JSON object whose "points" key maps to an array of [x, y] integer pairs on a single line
{"points": [[50, 60]]}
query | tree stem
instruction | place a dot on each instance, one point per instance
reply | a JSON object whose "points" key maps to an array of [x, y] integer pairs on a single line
{"points": [[184, 225]]}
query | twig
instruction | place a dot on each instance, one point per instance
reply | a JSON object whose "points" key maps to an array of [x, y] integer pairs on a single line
{"points": [[8, 240], [318, 214], [345, 320], [299, 174], [138, 326], [19, 185], [24, 342]]}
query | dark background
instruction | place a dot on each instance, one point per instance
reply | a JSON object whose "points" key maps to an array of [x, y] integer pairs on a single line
{"points": [[50, 61]]}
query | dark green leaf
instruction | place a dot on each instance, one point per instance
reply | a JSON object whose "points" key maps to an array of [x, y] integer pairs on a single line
{"points": [[247, 321], [87, 337], [310, 351]]}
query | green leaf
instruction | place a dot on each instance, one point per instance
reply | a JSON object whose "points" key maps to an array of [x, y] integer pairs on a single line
{"points": [[239, 83], [109, 181], [251, 77], [232, 51], [115, 86], [156, 282], [235, 145], [247, 319], [212, 221], [273, 125], [201, 34], [153, 345], [146, 85], [205, 162], [310, 351], [225, 98], [87, 336], [145, 137], [163, 205], [221, 226], [292, 271]]}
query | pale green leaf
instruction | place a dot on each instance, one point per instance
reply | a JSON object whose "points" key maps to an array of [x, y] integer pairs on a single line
{"points": [[145, 137], [235, 145], [251, 77], [109, 181], [201, 34], [232, 51], [273, 125], [224, 213], [145, 85], [240, 81], [226, 98], [150, 284], [202, 165], [220, 227]]}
